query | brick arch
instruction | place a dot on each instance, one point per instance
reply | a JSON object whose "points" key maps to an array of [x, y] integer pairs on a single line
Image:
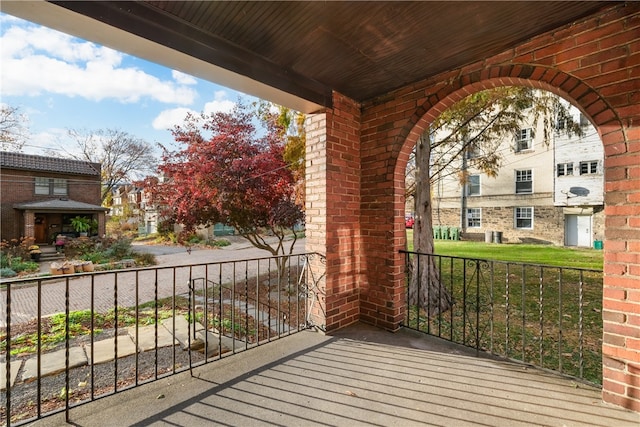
{"points": [[593, 63], [621, 370], [540, 77]]}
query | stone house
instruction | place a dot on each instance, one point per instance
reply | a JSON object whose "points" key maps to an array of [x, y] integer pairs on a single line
{"points": [[544, 192], [39, 195]]}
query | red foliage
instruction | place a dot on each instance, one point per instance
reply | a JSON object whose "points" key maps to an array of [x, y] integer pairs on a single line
{"points": [[235, 176]]}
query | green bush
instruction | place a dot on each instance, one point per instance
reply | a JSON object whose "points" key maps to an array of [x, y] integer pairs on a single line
{"points": [[95, 257], [18, 265], [7, 272], [218, 243], [119, 249]]}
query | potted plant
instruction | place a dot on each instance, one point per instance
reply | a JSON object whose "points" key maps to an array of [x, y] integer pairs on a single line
{"points": [[81, 224], [35, 252]]}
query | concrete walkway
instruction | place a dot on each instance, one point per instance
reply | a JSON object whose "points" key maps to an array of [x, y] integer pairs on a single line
{"points": [[361, 376], [144, 339], [136, 340]]}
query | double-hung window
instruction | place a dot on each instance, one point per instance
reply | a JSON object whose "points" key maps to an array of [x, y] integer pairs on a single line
{"points": [[588, 168], [42, 186], [564, 169], [523, 218], [59, 187], [474, 217], [524, 181], [473, 185], [524, 140], [51, 186]]}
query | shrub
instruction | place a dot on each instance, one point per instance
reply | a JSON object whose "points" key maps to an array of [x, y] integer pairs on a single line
{"points": [[218, 243], [7, 272], [19, 266], [145, 259], [95, 257], [75, 248], [119, 249], [17, 248]]}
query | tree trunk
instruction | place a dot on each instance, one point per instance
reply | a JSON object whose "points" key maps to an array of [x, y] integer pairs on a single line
{"points": [[425, 289]]}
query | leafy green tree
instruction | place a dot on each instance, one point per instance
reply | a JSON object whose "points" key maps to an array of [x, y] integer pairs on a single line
{"points": [[291, 124]]}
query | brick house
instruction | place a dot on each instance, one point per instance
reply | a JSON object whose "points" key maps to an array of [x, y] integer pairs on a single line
{"points": [[39, 195]]}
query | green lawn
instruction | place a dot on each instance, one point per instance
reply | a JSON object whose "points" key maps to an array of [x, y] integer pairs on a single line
{"points": [[548, 317], [530, 254]]}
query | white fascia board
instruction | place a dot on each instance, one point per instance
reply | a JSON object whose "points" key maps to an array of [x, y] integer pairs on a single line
{"points": [[72, 23]]}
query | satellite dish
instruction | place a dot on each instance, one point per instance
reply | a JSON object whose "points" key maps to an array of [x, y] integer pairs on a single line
{"points": [[579, 191]]}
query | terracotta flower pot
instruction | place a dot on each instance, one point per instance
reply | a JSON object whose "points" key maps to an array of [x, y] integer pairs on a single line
{"points": [[55, 271]]}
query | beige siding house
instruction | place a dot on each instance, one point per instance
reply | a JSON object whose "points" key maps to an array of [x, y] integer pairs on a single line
{"points": [[543, 193]]}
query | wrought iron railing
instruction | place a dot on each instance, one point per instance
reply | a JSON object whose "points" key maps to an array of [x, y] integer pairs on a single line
{"points": [[541, 315], [71, 339]]}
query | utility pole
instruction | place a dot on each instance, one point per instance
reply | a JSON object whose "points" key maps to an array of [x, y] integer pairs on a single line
{"points": [[463, 195]]}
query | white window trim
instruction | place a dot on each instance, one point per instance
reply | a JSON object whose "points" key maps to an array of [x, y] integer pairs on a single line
{"points": [[589, 163], [479, 218], [565, 166], [528, 138], [515, 180], [468, 186], [515, 217]]}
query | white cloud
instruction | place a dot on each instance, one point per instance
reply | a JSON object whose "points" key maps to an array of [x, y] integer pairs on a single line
{"points": [[167, 119], [38, 60], [182, 78], [219, 104], [51, 140]]}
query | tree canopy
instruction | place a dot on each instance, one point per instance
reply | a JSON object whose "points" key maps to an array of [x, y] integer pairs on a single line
{"points": [[13, 128], [232, 172], [479, 123], [120, 154]]}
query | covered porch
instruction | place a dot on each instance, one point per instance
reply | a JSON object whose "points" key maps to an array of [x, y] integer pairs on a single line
{"points": [[371, 80], [46, 219], [361, 375]]}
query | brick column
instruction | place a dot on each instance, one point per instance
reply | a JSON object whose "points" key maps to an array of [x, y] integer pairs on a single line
{"points": [[29, 224], [621, 294], [333, 208]]}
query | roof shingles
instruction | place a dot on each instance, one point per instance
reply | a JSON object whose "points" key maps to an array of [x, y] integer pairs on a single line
{"points": [[47, 164]]}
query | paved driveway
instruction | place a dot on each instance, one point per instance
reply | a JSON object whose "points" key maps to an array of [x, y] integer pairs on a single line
{"points": [[176, 266]]}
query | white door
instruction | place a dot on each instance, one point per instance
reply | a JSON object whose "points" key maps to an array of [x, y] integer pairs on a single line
{"points": [[577, 230]]}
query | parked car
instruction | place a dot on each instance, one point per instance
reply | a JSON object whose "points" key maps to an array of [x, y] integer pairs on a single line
{"points": [[409, 221]]}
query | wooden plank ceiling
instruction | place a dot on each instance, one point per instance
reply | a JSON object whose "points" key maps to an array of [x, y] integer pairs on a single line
{"points": [[360, 49]]}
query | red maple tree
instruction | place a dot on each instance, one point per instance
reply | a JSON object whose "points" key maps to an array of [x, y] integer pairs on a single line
{"points": [[234, 173]]}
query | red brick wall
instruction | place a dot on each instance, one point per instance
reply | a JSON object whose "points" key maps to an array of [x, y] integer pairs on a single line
{"points": [[18, 186], [595, 64], [333, 206], [360, 165]]}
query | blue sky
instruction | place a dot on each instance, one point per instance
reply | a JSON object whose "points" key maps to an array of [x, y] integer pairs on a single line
{"points": [[61, 82]]}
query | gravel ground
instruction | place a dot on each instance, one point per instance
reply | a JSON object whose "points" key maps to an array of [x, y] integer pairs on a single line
{"points": [[24, 395]]}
